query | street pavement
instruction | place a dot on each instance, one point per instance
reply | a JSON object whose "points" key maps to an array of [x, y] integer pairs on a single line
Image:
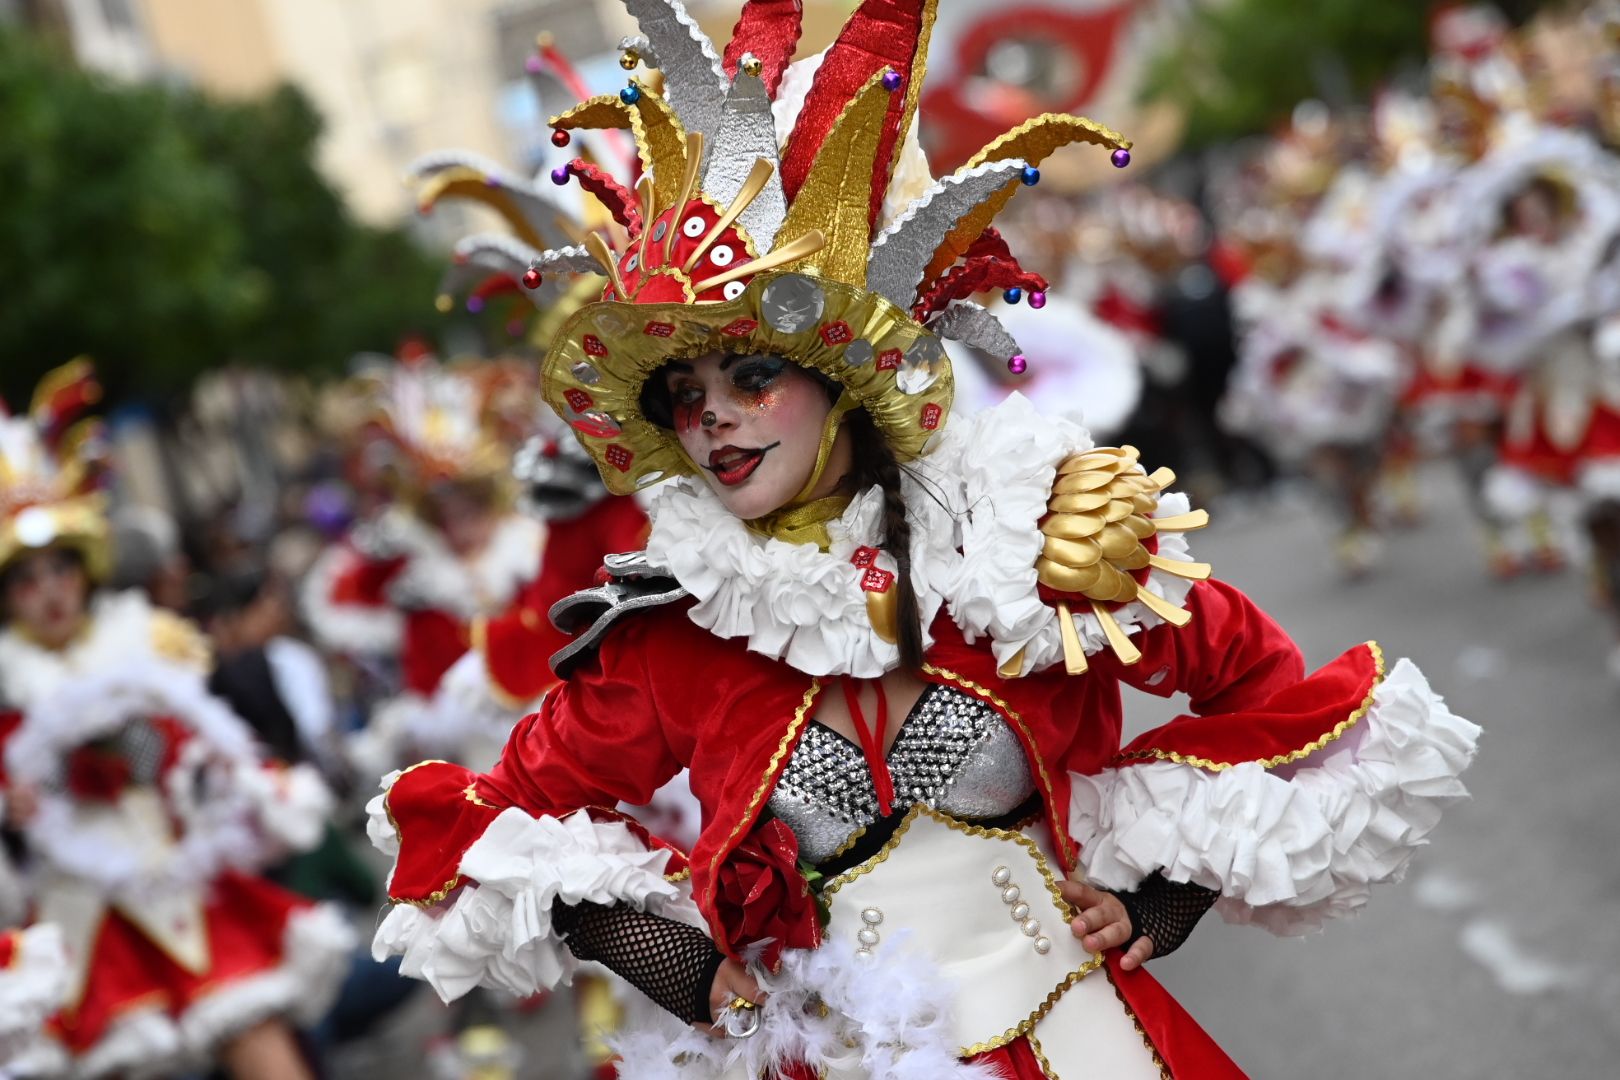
{"points": [[1499, 956]]}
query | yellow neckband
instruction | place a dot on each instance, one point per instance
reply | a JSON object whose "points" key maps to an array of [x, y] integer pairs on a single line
{"points": [[799, 521]]}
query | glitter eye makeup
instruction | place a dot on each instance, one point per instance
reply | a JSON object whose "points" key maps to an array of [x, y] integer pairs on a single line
{"points": [[757, 383]]}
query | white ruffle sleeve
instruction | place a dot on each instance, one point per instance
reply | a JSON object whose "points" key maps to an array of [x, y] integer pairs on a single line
{"points": [[496, 929], [1292, 846]]}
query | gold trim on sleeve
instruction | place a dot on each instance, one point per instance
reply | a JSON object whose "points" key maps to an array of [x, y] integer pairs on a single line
{"points": [[1336, 732], [782, 748]]}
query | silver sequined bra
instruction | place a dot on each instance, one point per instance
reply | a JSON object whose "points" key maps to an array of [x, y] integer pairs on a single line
{"points": [[954, 754]]}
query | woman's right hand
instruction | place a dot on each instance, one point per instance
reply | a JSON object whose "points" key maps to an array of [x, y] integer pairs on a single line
{"points": [[731, 981]]}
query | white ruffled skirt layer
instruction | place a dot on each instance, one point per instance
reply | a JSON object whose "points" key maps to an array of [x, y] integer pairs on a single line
{"points": [[319, 946]]}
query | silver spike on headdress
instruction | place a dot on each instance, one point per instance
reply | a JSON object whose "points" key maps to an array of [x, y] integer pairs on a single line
{"points": [[694, 78], [901, 252], [975, 325], [483, 254], [748, 134]]}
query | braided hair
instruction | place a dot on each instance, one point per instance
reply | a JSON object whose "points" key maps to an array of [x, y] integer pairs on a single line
{"points": [[876, 465]]}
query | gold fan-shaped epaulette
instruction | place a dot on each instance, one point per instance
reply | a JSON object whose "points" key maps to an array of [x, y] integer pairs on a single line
{"points": [[1098, 520]]}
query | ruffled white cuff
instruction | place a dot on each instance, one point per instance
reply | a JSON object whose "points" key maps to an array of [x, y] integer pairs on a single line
{"points": [[498, 932], [291, 805], [1293, 846]]}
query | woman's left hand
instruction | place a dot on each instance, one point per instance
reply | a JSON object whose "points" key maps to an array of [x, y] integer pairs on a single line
{"points": [[1103, 923]]}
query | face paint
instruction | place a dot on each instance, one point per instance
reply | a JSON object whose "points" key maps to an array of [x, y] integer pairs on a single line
{"points": [[768, 416]]}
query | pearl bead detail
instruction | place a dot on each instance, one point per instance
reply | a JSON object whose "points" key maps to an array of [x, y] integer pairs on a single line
{"points": [[1010, 894], [1001, 875], [1030, 927], [872, 917], [1020, 911], [1043, 945], [867, 937]]}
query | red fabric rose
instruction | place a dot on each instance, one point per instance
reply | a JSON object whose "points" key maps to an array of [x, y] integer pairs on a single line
{"points": [[761, 896]]}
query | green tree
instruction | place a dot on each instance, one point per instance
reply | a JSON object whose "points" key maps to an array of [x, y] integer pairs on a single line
{"points": [[1239, 66], [165, 233]]}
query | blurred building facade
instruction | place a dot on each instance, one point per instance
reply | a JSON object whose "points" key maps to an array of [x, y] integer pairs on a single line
{"points": [[392, 78]]}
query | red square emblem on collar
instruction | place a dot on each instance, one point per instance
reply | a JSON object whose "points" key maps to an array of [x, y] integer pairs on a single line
{"points": [[864, 557], [594, 346], [877, 580], [660, 329], [889, 360], [931, 415]]}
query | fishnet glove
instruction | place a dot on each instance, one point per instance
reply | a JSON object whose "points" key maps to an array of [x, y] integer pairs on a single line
{"points": [[672, 963], [1165, 912]]}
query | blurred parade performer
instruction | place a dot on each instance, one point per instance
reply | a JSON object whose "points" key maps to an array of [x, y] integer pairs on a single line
{"points": [[144, 804], [1314, 383], [414, 582], [887, 642]]}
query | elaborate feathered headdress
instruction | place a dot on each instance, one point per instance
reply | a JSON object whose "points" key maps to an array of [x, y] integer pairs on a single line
{"points": [[448, 422], [51, 465], [739, 241]]}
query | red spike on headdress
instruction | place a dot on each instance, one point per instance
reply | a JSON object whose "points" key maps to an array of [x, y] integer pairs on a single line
{"points": [[63, 396], [564, 70], [620, 201], [988, 264], [770, 30], [881, 34]]}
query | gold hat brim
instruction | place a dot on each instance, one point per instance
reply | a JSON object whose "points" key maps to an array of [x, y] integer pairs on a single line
{"points": [[79, 524], [889, 363]]}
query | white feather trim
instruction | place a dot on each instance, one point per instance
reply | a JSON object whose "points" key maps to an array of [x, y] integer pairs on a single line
{"points": [[435, 577], [1290, 847], [141, 1044], [498, 932], [119, 635], [886, 1016]]}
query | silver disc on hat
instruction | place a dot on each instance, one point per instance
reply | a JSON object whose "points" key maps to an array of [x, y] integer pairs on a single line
{"points": [[859, 353], [922, 366], [792, 303], [586, 373]]}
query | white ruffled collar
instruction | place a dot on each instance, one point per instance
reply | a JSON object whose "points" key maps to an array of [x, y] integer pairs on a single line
{"points": [[975, 503], [119, 632]]}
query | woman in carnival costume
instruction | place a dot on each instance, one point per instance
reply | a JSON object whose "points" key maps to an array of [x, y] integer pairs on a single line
{"points": [[889, 649], [144, 804]]}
